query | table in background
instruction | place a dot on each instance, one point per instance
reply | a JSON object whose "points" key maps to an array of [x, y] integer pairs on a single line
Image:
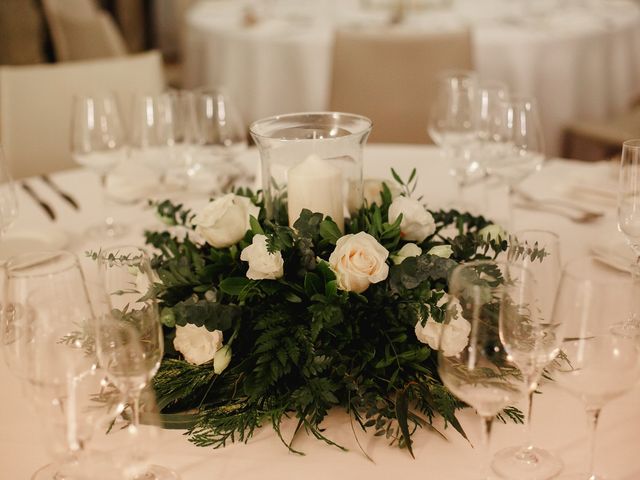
{"points": [[579, 64], [558, 424]]}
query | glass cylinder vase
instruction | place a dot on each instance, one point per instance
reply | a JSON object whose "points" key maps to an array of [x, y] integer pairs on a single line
{"points": [[312, 161]]}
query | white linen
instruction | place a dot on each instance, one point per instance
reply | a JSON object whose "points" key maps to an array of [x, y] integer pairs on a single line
{"points": [[579, 63], [558, 424]]}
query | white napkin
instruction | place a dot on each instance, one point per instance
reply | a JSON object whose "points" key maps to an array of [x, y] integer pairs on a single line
{"points": [[615, 253], [131, 181]]}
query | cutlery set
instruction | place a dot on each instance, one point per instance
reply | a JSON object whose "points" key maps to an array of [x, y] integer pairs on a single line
{"points": [[42, 203]]}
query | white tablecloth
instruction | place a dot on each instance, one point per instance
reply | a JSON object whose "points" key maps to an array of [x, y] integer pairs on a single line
{"points": [[558, 423], [580, 64]]}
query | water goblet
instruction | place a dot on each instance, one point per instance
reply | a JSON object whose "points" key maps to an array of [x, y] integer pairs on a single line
{"points": [[597, 364], [472, 362], [98, 143], [532, 344]]}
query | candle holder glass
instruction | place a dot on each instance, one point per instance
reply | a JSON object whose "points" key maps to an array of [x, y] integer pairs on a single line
{"points": [[313, 161]]}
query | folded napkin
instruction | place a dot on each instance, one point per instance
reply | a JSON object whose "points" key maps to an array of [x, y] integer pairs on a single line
{"points": [[617, 254], [131, 181]]}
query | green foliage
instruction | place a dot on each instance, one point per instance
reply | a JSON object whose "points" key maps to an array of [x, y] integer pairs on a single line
{"points": [[301, 345]]}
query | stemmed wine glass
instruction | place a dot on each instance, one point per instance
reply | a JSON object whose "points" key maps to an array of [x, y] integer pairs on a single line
{"points": [[8, 197], [128, 283], [472, 362], [98, 143], [597, 364], [521, 144], [453, 123], [151, 131], [532, 343], [221, 135], [629, 222]]}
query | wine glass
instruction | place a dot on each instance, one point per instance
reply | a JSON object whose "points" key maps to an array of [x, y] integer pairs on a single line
{"points": [[472, 362], [8, 197], [46, 343], [520, 149], [597, 364], [128, 284], [491, 97], [98, 143], [453, 123], [629, 221], [532, 344], [151, 131], [221, 135]]}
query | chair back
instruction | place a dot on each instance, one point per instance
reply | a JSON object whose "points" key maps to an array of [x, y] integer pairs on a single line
{"points": [[36, 105], [81, 31], [389, 76]]}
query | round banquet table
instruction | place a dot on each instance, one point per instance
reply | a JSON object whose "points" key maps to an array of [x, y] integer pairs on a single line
{"points": [[558, 421], [579, 63]]}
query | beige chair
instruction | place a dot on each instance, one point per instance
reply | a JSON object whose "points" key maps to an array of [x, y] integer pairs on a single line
{"points": [[36, 102], [388, 75], [81, 31]]}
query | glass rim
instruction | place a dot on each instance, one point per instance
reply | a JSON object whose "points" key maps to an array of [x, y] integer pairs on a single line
{"points": [[631, 143], [318, 114], [571, 266], [19, 266]]}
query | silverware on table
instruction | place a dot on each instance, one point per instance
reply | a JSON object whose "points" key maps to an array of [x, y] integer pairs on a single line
{"points": [[557, 202], [575, 216], [65, 196], [44, 205]]}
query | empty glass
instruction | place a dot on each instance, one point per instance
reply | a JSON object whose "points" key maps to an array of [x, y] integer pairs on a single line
{"points": [[533, 342], [472, 362], [597, 365], [8, 197], [98, 143]]}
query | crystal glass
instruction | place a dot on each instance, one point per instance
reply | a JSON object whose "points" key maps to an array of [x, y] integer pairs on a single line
{"points": [[597, 364], [98, 143], [491, 97], [520, 150], [533, 344], [8, 197], [453, 124], [312, 161], [472, 362], [629, 221], [221, 135], [128, 284]]}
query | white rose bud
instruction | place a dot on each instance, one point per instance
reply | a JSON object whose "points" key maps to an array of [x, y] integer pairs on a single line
{"points": [[197, 344], [225, 221], [409, 250], [444, 251], [417, 223], [262, 264], [358, 261], [493, 232], [457, 330], [221, 359]]}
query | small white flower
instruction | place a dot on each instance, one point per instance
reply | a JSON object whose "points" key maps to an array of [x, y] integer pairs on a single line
{"points": [[225, 221], [417, 223], [444, 251], [197, 344], [456, 332], [262, 264], [221, 359], [408, 250], [358, 261], [493, 232]]}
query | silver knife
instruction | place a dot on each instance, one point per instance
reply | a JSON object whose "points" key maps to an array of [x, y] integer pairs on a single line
{"points": [[44, 205], [65, 196]]}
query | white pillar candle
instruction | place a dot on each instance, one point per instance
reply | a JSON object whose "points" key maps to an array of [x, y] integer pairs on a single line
{"points": [[317, 185]]}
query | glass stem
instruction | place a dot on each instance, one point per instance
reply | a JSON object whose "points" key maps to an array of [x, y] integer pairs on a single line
{"points": [[593, 414], [510, 196], [634, 319], [487, 423], [134, 401]]}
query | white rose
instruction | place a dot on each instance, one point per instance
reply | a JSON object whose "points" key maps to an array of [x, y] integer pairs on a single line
{"points": [[358, 261], [409, 250], [457, 330], [221, 359], [262, 264], [224, 221], [417, 223], [444, 251], [197, 344], [493, 232]]}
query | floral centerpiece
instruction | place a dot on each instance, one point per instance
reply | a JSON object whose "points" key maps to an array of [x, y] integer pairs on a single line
{"points": [[265, 321]]}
